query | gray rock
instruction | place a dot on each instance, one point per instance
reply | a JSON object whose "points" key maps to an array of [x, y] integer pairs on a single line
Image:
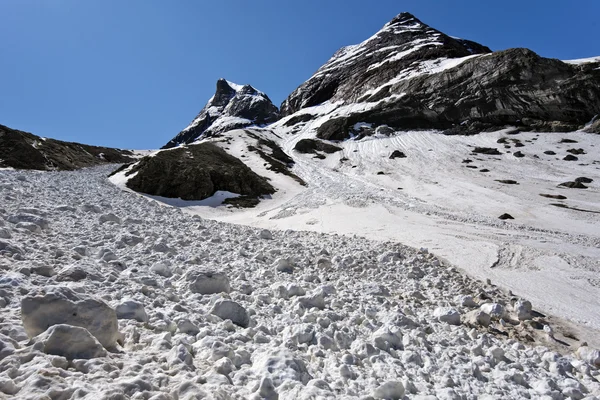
{"points": [[61, 305], [70, 341]]}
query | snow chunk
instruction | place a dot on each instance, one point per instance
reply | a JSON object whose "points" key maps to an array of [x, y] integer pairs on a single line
{"points": [[72, 342], [227, 309], [207, 282], [61, 305]]}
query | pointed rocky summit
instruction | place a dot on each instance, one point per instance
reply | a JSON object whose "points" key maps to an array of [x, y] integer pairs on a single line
{"points": [[232, 107]]}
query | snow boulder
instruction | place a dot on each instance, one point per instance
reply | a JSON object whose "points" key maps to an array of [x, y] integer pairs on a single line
{"points": [[228, 309], [131, 309], [207, 281], [280, 365], [523, 310], [589, 355], [477, 318], [448, 315], [61, 305], [494, 310], [110, 217], [391, 390], [72, 342], [29, 218]]}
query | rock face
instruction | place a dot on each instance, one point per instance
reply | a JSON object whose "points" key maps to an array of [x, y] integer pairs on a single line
{"points": [[414, 77], [232, 107], [195, 173], [61, 305], [23, 150]]}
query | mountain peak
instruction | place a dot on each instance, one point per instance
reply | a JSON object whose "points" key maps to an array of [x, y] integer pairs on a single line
{"points": [[403, 47], [233, 106], [403, 18]]}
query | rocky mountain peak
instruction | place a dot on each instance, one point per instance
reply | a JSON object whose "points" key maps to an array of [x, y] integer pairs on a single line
{"points": [[233, 106], [400, 47]]}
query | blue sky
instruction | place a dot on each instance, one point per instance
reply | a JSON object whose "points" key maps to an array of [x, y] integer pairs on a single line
{"points": [[133, 73]]}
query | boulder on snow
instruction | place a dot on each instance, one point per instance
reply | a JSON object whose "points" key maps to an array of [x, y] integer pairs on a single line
{"points": [[207, 281], [131, 309], [506, 216], [71, 342], [61, 305], [447, 314], [397, 154], [228, 309]]}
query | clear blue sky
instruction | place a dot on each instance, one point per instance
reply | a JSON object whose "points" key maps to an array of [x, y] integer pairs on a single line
{"points": [[133, 73]]}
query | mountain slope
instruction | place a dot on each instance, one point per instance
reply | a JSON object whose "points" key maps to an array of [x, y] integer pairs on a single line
{"points": [[233, 106], [23, 150]]}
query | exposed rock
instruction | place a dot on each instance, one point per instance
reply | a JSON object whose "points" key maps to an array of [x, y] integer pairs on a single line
{"points": [[491, 151], [195, 173], [311, 146], [554, 196], [570, 157], [573, 185], [61, 305], [228, 309], [232, 107], [507, 181], [576, 151], [550, 152], [583, 179], [397, 154], [518, 154], [72, 342], [506, 216], [23, 150], [207, 282]]}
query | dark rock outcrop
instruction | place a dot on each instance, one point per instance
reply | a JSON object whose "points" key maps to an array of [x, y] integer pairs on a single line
{"points": [[573, 185], [490, 151], [196, 172], [506, 216], [312, 146], [397, 154], [232, 107], [414, 77], [23, 150]]}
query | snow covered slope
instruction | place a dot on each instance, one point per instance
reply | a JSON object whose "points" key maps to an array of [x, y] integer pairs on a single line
{"points": [[197, 309], [233, 106]]}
